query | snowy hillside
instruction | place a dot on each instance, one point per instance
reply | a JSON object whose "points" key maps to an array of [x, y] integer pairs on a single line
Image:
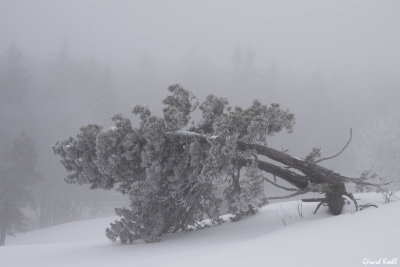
{"points": [[276, 236]]}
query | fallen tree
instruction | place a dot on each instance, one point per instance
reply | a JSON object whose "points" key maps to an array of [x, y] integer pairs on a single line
{"points": [[177, 171], [314, 178]]}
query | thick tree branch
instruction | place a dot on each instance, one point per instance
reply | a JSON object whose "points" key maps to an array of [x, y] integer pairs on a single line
{"points": [[282, 158], [361, 182], [280, 186], [293, 178], [313, 172], [317, 188], [313, 199]]}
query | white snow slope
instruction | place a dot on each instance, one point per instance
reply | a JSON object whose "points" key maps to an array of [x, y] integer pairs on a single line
{"points": [[350, 239]]}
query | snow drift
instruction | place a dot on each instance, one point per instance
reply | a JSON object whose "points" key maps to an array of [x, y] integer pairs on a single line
{"points": [[276, 236]]}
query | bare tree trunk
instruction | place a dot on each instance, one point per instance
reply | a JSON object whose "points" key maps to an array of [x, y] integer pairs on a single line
{"points": [[335, 200], [307, 175], [334, 188], [293, 178], [315, 173]]}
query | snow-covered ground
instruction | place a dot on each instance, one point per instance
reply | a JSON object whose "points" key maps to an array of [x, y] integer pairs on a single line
{"points": [[276, 236]]}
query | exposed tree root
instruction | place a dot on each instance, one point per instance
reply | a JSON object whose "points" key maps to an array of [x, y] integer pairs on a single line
{"points": [[351, 196]]}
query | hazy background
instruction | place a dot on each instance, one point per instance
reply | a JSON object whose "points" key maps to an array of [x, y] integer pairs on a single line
{"points": [[335, 64]]}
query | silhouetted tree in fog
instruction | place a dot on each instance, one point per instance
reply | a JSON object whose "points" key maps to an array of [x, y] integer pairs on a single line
{"points": [[14, 79], [17, 175]]}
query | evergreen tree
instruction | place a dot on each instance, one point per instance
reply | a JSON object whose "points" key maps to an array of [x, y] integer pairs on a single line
{"points": [[17, 175], [173, 178], [14, 82]]}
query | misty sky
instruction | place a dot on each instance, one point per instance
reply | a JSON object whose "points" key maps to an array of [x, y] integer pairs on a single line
{"points": [[350, 50], [301, 35], [334, 64]]}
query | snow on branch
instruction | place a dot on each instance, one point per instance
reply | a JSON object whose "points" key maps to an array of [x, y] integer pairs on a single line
{"points": [[189, 134]]}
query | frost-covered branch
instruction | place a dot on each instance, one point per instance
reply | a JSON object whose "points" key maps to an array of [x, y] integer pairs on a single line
{"points": [[189, 134], [280, 186]]}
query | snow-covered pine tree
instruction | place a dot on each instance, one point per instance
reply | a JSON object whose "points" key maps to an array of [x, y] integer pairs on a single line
{"points": [[17, 175], [175, 171]]}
